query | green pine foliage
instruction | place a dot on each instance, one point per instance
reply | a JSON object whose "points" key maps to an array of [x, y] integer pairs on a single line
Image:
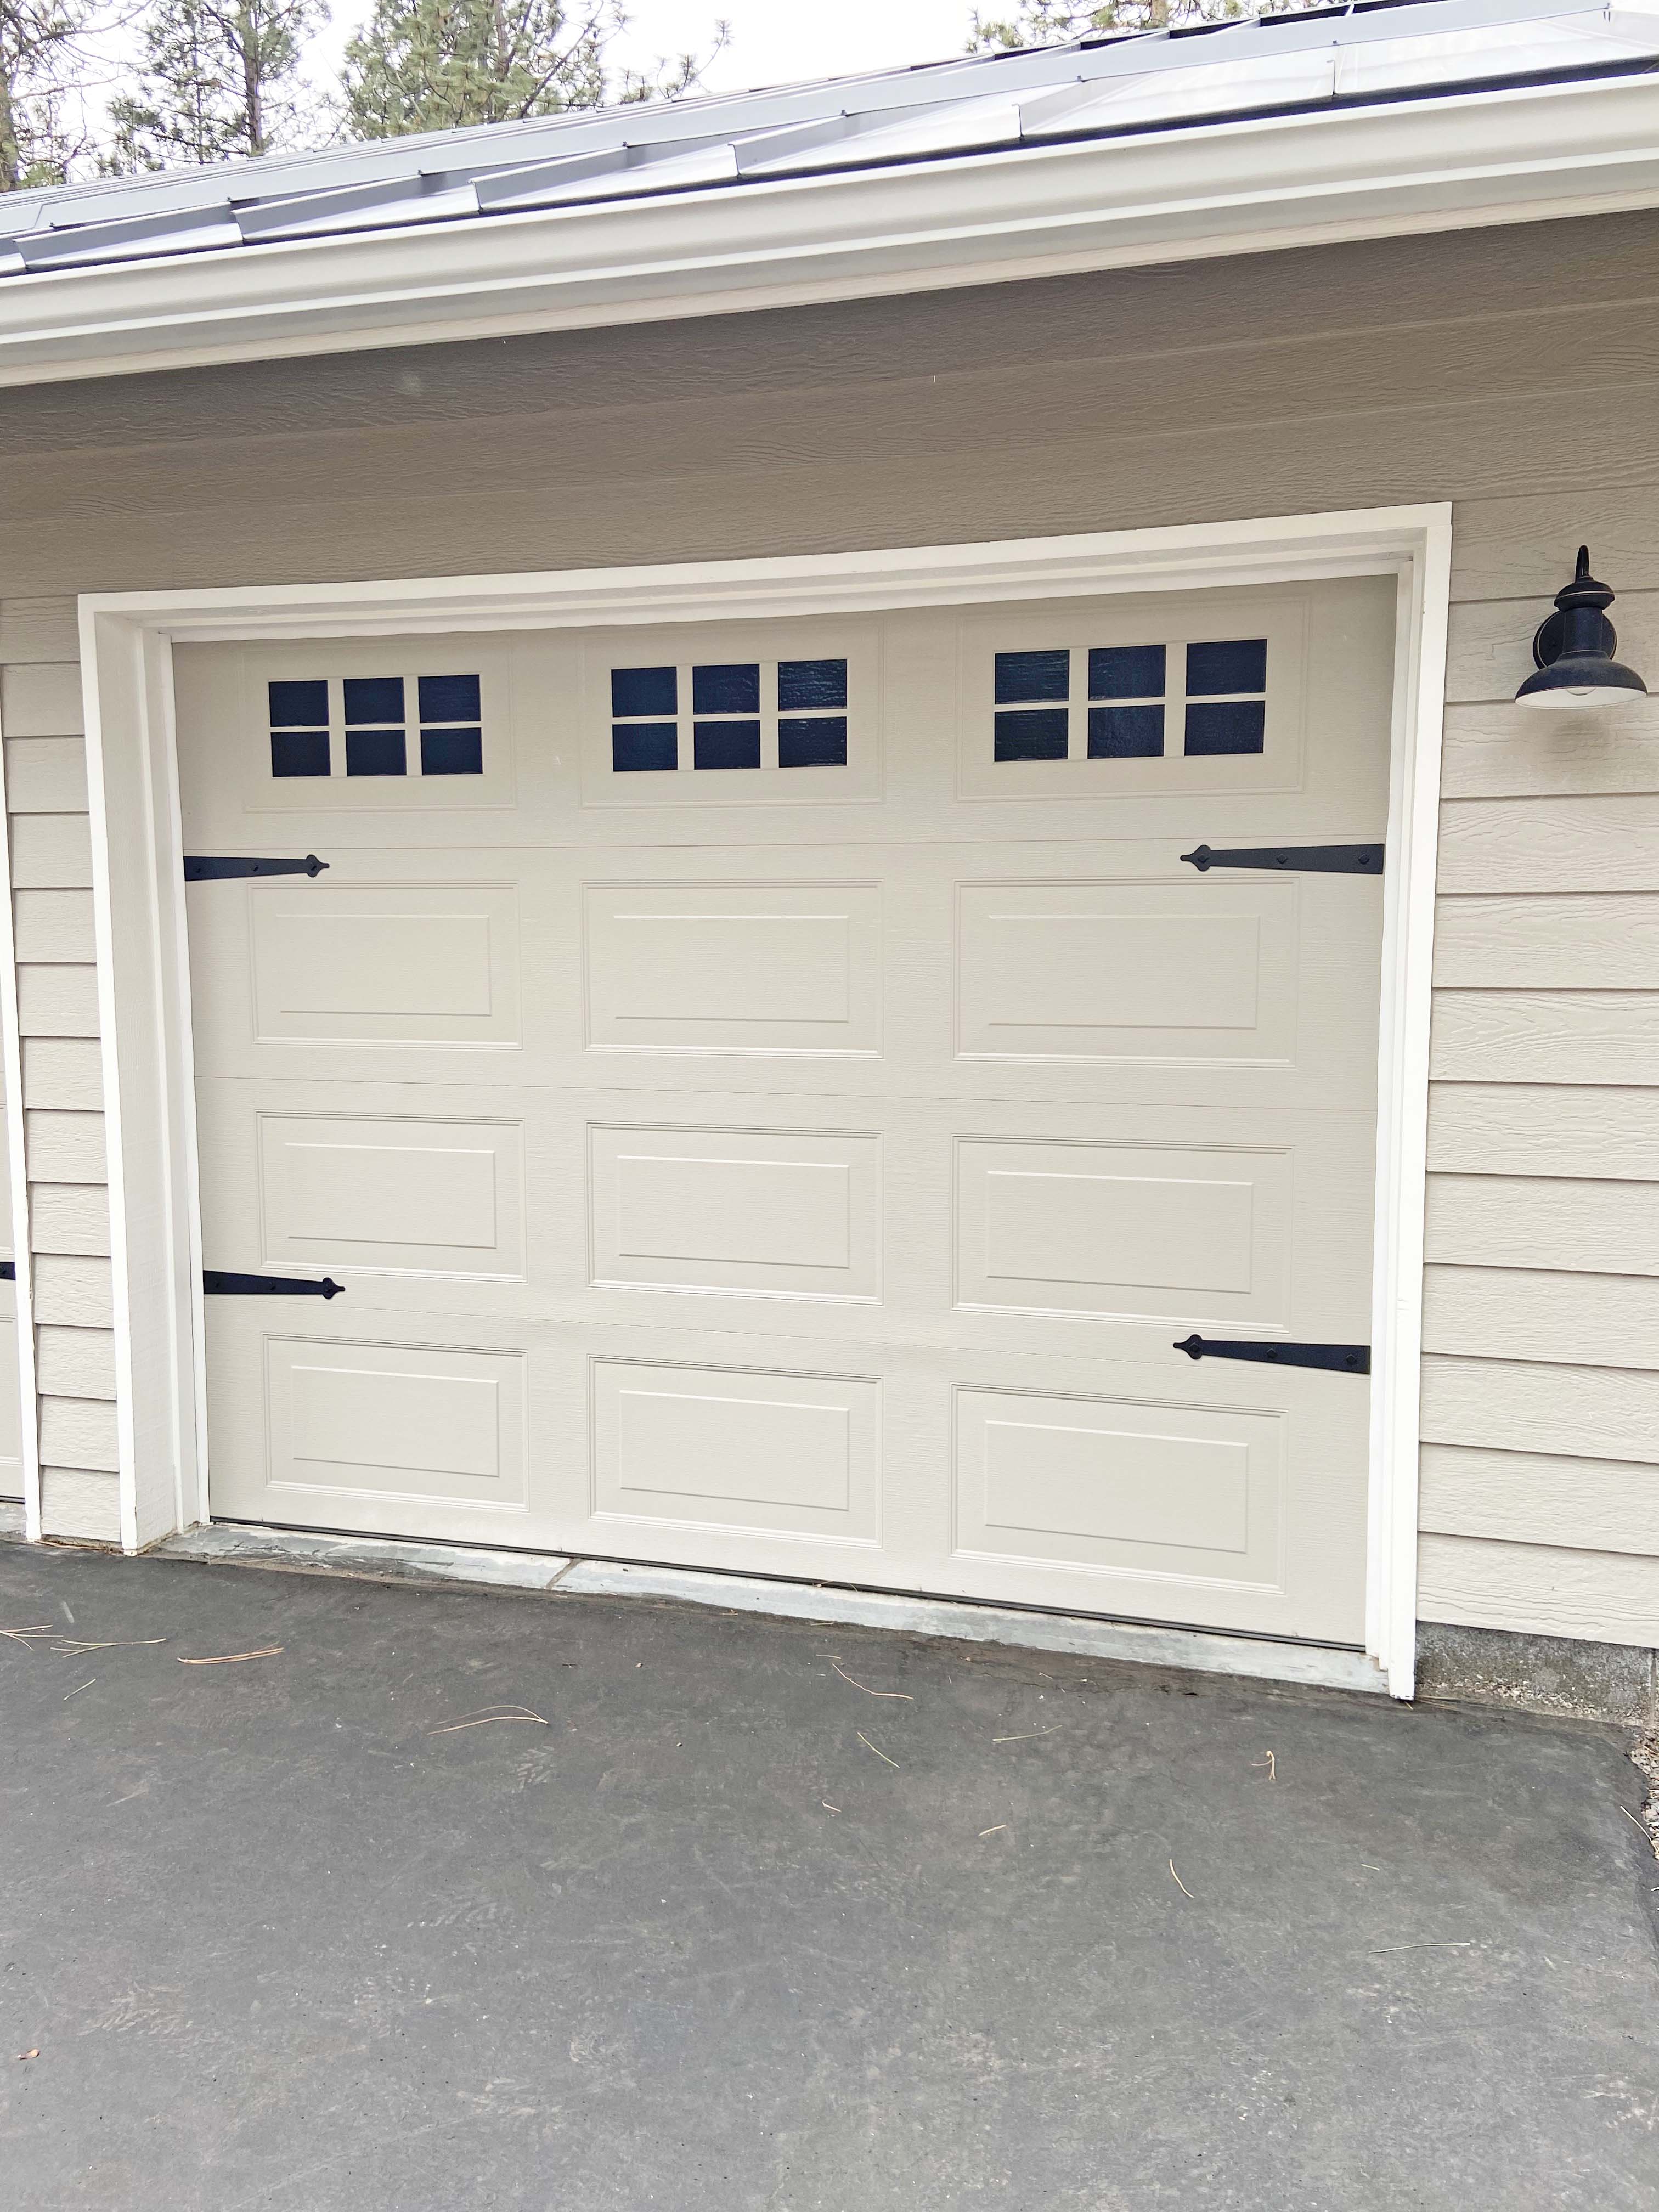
{"points": [[41, 57], [218, 80], [440, 64]]}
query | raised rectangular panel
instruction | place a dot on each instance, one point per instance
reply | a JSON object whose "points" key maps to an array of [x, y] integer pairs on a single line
{"points": [[793, 1455], [357, 1192], [738, 1210], [1167, 972], [408, 963], [1195, 1232], [1187, 1491], [734, 967], [399, 1420]]}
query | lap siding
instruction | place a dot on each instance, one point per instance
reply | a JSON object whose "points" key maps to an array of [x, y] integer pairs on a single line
{"points": [[1345, 376], [61, 1126]]}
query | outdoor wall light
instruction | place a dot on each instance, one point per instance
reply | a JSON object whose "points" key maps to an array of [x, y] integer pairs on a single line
{"points": [[1573, 650]]}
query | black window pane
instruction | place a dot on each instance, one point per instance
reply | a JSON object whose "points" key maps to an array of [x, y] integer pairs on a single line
{"points": [[1126, 672], [299, 752], [1039, 736], [821, 742], [1239, 726], [304, 704], [803, 683], [450, 699], [732, 688], [374, 752], [1032, 675], [1125, 732], [451, 752], [644, 691], [1241, 665], [374, 698], [727, 744], [644, 746]]}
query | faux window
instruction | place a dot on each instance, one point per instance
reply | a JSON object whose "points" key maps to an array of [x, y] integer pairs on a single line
{"points": [[362, 725], [716, 715], [1117, 702]]}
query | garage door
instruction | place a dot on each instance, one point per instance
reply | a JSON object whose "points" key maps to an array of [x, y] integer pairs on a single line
{"points": [[11, 1434], [775, 1097]]}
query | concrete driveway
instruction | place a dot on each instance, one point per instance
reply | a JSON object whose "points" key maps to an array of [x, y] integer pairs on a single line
{"points": [[755, 1916]]}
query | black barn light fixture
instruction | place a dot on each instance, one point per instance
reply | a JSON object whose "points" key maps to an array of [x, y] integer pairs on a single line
{"points": [[1573, 652]]}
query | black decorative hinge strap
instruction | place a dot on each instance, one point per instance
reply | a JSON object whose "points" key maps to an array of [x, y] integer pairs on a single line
{"points": [[217, 1285], [1312, 860], [203, 867], [8, 1271], [1347, 1358]]}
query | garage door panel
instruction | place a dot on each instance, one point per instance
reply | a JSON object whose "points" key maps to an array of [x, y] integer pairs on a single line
{"points": [[1177, 1489], [346, 1191], [355, 1420], [1121, 1231], [769, 1452], [1104, 970], [794, 1164], [734, 967], [407, 963], [765, 1211]]}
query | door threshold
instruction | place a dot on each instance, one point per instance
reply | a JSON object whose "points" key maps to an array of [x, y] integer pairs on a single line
{"points": [[379, 1559]]}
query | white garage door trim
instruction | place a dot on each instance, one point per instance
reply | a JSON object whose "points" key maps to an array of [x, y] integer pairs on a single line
{"points": [[144, 974]]}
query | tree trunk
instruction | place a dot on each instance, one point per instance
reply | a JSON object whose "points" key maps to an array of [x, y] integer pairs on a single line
{"points": [[11, 154], [247, 37]]}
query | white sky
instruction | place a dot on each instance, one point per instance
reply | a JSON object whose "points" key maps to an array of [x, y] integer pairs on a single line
{"points": [[781, 41], [773, 41]]}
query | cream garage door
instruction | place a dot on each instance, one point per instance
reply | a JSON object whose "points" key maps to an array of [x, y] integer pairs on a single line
{"points": [[11, 1434], [775, 1096]]}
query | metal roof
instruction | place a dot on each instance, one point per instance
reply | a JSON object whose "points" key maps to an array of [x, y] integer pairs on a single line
{"points": [[1373, 52]]}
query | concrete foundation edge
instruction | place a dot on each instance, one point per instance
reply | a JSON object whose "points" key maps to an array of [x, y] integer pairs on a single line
{"points": [[1317, 1666], [1559, 1674], [1554, 1674]]}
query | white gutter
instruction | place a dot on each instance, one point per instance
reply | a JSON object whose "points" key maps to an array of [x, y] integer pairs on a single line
{"points": [[1454, 163]]}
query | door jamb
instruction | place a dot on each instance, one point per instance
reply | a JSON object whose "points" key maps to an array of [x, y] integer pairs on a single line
{"points": [[143, 956]]}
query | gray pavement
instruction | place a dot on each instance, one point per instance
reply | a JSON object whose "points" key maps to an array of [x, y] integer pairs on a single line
{"points": [[732, 1931]]}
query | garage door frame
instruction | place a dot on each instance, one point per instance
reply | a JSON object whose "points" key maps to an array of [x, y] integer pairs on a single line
{"points": [[143, 972]]}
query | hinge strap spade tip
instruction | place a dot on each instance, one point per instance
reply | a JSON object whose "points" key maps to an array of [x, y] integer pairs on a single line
{"points": [[1313, 859], [1344, 1359], [208, 867]]}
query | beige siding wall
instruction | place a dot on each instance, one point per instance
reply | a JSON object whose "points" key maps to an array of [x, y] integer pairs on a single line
{"points": [[1398, 371], [63, 1131], [1540, 1419]]}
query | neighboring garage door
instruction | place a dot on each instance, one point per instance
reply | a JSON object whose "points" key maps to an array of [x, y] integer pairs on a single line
{"points": [[11, 1434], [775, 1095]]}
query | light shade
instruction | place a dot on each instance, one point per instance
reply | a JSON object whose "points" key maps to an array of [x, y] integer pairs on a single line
{"points": [[1573, 652]]}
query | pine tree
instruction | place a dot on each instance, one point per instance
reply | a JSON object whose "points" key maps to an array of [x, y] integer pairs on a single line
{"points": [[439, 65], [41, 58], [219, 81], [1052, 22], [443, 65]]}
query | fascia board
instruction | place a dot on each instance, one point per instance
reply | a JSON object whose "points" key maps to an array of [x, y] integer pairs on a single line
{"points": [[1517, 156]]}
